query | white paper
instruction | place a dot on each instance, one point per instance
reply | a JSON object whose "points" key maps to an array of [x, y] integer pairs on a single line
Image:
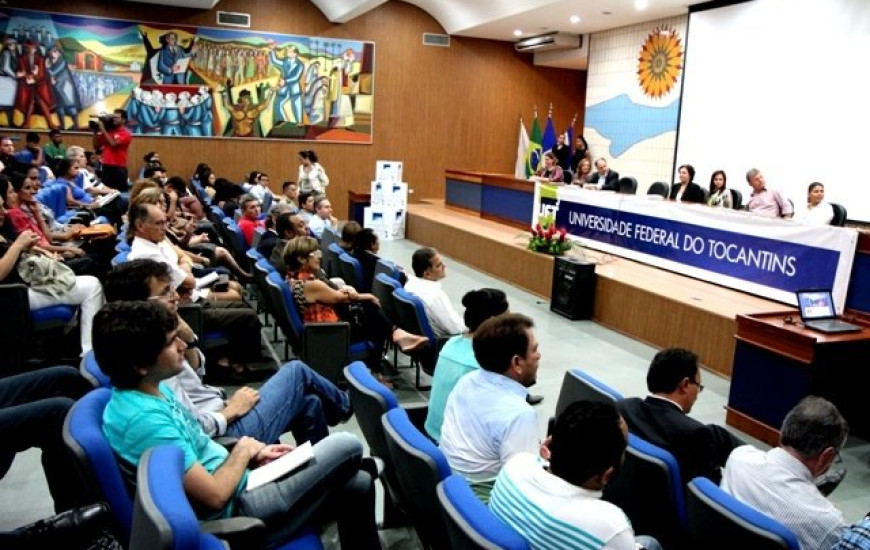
{"points": [[280, 466], [211, 278]]}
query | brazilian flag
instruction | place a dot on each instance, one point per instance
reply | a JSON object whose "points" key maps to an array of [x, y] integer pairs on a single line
{"points": [[535, 151]]}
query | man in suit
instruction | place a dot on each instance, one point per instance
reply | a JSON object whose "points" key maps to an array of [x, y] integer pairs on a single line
{"points": [[605, 178], [270, 237], [674, 383]]}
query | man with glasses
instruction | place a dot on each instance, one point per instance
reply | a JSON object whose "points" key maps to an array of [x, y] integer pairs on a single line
{"points": [[674, 383], [295, 398]]}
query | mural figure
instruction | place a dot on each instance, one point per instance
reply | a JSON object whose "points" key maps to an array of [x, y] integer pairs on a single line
{"points": [[33, 89], [244, 114], [58, 69], [289, 85], [63, 88], [8, 76], [173, 60]]}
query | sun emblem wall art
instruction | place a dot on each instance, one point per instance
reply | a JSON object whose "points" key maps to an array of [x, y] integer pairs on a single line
{"points": [[660, 62]]}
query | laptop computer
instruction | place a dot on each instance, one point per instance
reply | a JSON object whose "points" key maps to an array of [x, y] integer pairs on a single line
{"points": [[818, 312]]}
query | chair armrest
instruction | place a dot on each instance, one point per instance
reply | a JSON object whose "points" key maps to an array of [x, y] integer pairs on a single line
{"points": [[325, 348], [238, 532]]}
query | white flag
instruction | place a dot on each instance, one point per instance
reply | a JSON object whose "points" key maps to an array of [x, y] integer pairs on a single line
{"points": [[522, 150]]}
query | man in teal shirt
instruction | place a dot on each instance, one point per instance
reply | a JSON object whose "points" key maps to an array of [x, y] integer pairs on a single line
{"points": [[136, 344]]}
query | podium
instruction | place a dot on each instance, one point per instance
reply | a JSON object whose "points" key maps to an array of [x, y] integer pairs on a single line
{"points": [[778, 362]]}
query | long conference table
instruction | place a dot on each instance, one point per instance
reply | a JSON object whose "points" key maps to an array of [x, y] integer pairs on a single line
{"points": [[771, 258]]}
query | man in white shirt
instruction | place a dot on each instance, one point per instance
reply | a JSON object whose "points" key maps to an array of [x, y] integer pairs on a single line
{"points": [[779, 482], [429, 269], [295, 398], [562, 507], [487, 419], [322, 218]]}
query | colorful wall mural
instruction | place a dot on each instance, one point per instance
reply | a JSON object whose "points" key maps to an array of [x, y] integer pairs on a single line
{"points": [[57, 71], [633, 98]]}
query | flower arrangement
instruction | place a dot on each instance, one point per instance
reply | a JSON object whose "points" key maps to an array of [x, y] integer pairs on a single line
{"points": [[548, 239]]}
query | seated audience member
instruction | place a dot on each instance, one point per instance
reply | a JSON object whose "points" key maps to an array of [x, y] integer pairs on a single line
{"points": [[250, 220], [586, 450], [348, 234], [322, 218], [294, 399], [137, 346], [456, 358], [584, 170], [319, 301], [151, 159], [818, 212], [306, 205], [855, 537], [156, 173], [674, 383], [259, 186], [289, 226], [429, 269], [13, 161], [86, 293], [779, 482], [766, 202], [196, 248], [55, 149], [604, 178], [208, 179], [720, 195], [33, 407], [147, 238], [290, 194], [550, 169], [270, 236], [487, 420], [365, 250], [687, 190], [227, 196], [25, 213]]}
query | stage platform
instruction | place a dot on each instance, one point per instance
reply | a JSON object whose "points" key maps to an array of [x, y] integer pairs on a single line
{"points": [[656, 306]]}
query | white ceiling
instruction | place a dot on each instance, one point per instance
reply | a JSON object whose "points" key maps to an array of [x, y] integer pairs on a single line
{"points": [[497, 19]]}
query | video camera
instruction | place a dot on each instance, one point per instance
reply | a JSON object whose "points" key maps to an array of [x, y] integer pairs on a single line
{"points": [[107, 119]]}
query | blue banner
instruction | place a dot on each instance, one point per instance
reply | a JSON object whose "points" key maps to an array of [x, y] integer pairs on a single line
{"points": [[778, 264]]}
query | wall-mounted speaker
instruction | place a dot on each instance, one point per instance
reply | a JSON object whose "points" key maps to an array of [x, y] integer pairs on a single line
{"points": [[573, 292]]}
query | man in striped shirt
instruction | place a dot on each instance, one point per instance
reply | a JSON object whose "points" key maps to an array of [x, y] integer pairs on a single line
{"points": [[779, 482], [562, 507]]}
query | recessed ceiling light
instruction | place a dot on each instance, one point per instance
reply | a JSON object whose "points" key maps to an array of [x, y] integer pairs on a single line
{"points": [[641, 4], [607, 13], [574, 19], [518, 32]]}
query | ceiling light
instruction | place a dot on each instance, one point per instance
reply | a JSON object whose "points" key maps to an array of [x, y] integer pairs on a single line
{"points": [[518, 32], [641, 4], [574, 19]]}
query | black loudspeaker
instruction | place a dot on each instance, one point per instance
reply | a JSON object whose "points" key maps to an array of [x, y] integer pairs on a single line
{"points": [[573, 291]]}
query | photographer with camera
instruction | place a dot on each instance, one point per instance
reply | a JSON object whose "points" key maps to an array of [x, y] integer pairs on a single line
{"points": [[112, 135]]}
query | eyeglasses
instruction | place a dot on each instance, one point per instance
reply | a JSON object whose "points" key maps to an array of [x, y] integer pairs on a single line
{"points": [[700, 385], [316, 254], [168, 292]]}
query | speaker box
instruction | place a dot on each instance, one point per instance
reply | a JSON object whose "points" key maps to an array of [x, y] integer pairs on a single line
{"points": [[573, 291]]}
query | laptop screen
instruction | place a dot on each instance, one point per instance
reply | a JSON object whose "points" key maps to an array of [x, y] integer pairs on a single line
{"points": [[816, 304]]}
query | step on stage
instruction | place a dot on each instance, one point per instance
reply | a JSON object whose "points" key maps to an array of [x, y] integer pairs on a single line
{"points": [[656, 306]]}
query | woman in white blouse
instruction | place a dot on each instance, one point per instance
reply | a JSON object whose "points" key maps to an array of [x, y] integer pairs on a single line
{"points": [[312, 176], [818, 211]]}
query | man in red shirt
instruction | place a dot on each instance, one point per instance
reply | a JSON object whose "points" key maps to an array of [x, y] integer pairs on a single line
{"points": [[114, 144], [250, 220]]}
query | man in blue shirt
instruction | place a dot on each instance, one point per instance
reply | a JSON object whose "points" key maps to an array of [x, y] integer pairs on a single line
{"points": [[137, 346]]}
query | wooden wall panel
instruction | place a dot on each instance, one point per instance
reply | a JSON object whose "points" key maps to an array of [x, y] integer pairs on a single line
{"points": [[435, 108]]}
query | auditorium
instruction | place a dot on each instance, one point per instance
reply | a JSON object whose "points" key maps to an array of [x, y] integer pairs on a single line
{"points": [[261, 261]]}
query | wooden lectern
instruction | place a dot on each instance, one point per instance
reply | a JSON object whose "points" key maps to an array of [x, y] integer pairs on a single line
{"points": [[778, 362]]}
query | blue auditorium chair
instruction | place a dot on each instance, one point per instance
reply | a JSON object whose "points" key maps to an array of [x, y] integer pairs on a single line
{"points": [[470, 523], [717, 519], [412, 318]]}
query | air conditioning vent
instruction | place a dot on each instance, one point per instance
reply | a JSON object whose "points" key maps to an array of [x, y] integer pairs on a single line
{"points": [[232, 19], [431, 39], [549, 41]]}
